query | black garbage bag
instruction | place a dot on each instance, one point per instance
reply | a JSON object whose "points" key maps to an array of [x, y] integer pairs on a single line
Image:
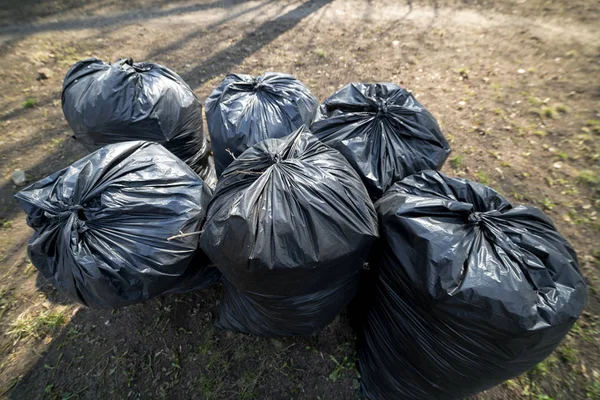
{"points": [[290, 227], [472, 291], [244, 110], [383, 131], [111, 103], [102, 226]]}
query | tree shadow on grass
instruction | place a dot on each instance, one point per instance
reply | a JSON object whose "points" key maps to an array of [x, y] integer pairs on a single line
{"points": [[224, 60], [153, 10], [169, 348]]}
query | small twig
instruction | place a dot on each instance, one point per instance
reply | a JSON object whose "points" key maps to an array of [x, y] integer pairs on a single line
{"points": [[56, 365], [243, 173], [103, 369], [181, 234], [11, 385], [76, 393], [230, 153]]}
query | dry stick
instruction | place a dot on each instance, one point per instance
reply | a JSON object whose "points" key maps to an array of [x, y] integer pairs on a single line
{"points": [[230, 153], [244, 173], [181, 234]]}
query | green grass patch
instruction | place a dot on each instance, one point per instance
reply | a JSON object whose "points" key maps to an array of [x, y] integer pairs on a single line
{"points": [[588, 176], [27, 326], [456, 162], [320, 53], [30, 102], [482, 177]]}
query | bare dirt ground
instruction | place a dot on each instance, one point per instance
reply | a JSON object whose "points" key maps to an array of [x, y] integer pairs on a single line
{"points": [[514, 84]]}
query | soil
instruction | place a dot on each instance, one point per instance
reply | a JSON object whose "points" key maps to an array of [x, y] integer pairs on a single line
{"points": [[514, 85]]}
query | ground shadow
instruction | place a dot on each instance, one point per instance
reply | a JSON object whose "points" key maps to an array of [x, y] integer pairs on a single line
{"points": [[55, 160], [198, 33], [169, 348], [154, 10], [224, 60], [52, 295]]}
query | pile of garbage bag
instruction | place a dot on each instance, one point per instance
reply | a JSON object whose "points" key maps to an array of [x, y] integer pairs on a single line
{"points": [[245, 110], [290, 226], [111, 103], [472, 291], [460, 290], [383, 131], [104, 226]]}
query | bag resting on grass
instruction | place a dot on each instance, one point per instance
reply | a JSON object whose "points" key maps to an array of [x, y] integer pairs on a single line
{"points": [[111, 103], [290, 227], [102, 226], [472, 291]]}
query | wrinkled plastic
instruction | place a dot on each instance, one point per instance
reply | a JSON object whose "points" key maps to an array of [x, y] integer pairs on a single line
{"points": [[472, 291], [244, 110], [111, 103], [290, 227], [102, 226], [383, 131]]}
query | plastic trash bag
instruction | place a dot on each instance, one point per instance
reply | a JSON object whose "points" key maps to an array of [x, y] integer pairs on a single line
{"points": [[472, 291], [383, 131], [244, 110], [111, 103], [290, 227], [102, 226]]}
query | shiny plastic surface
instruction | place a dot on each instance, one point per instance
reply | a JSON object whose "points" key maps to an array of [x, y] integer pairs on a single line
{"points": [[111, 103], [244, 110], [290, 227], [102, 224], [472, 291], [383, 131]]}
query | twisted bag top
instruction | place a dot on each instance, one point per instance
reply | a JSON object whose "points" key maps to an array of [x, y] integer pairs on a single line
{"points": [[110, 103], [289, 217], [243, 111], [383, 131], [472, 290], [102, 224]]}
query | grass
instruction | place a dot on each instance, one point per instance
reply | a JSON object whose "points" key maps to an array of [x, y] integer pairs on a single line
{"points": [[593, 125], [320, 53], [5, 224], [593, 390], [30, 102], [27, 325], [210, 388], [548, 204], [567, 352], [588, 176], [482, 177], [561, 108], [340, 369], [572, 53], [246, 385], [6, 299], [548, 112], [545, 366], [29, 269], [495, 154], [456, 162]]}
